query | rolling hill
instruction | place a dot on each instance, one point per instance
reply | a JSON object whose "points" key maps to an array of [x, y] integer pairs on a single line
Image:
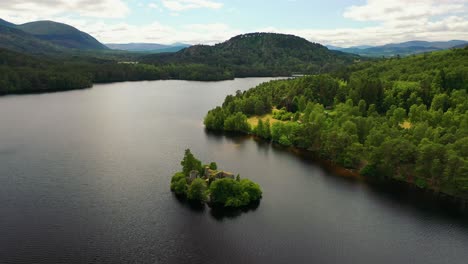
{"points": [[259, 54], [45, 37], [62, 35]]}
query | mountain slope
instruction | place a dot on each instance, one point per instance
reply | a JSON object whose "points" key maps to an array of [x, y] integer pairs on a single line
{"points": [[61, 35], [6, 23], [259, 54], [20, 41]]}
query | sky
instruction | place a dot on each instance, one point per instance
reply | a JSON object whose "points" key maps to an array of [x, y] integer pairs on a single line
{"points": [[330, 22]]}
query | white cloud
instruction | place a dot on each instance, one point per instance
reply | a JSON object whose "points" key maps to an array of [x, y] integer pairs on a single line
{"points": [[394, 21], [448, 28], [153, 6], [21, 11], [401, 20], [181, 5], [418, 19], [91, 16], [400, 10], [397, 21], [154, 32]]}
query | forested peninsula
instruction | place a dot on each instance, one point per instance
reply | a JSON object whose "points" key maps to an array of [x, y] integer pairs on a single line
{"points": [[401, 118]]}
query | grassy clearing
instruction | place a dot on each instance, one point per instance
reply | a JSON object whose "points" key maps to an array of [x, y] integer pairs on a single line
{"points": [[253, 121], [406, 125]]}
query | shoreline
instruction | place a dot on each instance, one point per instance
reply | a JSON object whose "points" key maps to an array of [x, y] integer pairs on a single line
{"points": [[409, 189], [145, 80]]}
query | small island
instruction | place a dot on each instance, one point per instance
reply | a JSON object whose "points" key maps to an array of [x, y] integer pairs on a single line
{"points": [[206, 184]]}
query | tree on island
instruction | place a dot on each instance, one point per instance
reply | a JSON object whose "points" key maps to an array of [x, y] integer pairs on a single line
{"points": [[190, 163], [179, 183], [233, 193], [197, 190], [213, 166]]}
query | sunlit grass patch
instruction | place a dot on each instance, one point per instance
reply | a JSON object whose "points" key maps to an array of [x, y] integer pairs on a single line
{"points": [[406, 125]]}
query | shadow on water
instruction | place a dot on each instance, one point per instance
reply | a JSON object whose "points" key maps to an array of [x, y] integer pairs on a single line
{"points": [[425, 203], [308, 157], [399, 194], [221, 213], [217, 212], [196, 207], [231, 137]]}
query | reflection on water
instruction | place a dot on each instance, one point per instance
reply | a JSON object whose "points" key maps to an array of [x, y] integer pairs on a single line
{"points": [[220, 213], [194, 206]]}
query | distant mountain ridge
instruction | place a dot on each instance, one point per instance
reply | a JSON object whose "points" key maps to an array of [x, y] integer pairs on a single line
{"points": [[461, 46], [45, 36], [148, 47], [427, 44], [402, 49]]}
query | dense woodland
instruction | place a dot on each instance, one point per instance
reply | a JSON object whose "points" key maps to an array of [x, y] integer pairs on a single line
{"points": [[405, 119]]}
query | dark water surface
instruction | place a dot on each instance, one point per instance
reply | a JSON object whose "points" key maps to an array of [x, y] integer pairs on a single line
{"points": [[84, 178]]}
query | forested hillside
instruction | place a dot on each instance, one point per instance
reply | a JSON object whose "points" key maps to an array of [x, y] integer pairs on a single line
{"points": [[21, 73], [17, 40], [259, 54], [405, 119]]}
